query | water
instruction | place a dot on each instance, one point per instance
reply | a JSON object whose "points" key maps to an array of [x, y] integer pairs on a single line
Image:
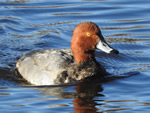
{"points": [[27, 25]]}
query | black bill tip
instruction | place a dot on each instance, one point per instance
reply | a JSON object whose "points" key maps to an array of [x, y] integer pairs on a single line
{"points": [[114, 51]]}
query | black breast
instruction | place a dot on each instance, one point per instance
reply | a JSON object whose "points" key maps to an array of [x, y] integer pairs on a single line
{"points": [[87, 69]]}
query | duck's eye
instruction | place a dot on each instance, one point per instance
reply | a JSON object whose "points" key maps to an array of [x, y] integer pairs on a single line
{"points": [[88, 34]]}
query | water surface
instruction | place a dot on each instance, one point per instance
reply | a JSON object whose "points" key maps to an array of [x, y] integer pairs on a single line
{"points": [[27, 25]]}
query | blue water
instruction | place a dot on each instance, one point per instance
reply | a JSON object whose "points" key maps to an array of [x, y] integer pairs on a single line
{"points": [[27, 25]]}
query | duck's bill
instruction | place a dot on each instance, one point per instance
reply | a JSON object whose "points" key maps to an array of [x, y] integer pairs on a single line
{"points": [[102, 45]]}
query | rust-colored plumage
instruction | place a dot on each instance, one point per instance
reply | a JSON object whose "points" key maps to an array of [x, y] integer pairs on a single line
{"points": [[83, 45]]}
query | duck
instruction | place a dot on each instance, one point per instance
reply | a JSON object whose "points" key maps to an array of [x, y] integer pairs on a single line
{"points": [[60, 66]]}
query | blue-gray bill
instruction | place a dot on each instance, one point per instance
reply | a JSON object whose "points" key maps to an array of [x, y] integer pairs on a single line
{"points": [[104, 46]]}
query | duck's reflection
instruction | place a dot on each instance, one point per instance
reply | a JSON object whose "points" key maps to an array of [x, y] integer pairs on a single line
{"points": [[84, 101], [83, 95]]}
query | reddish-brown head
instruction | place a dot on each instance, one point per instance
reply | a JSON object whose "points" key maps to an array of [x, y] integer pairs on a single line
{"points": [[85, 38]]}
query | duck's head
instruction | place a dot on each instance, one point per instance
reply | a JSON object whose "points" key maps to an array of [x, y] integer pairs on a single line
{"points": [[85, 39]]}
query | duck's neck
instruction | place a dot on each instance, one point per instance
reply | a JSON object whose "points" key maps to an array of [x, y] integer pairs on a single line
{"points": [[82, 56]]}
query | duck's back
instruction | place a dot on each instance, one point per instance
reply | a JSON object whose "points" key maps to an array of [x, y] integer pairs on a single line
{"points": [[41, 67]]}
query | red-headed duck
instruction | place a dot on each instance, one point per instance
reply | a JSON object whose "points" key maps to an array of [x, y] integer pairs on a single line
{"points": [[57, 66]]}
